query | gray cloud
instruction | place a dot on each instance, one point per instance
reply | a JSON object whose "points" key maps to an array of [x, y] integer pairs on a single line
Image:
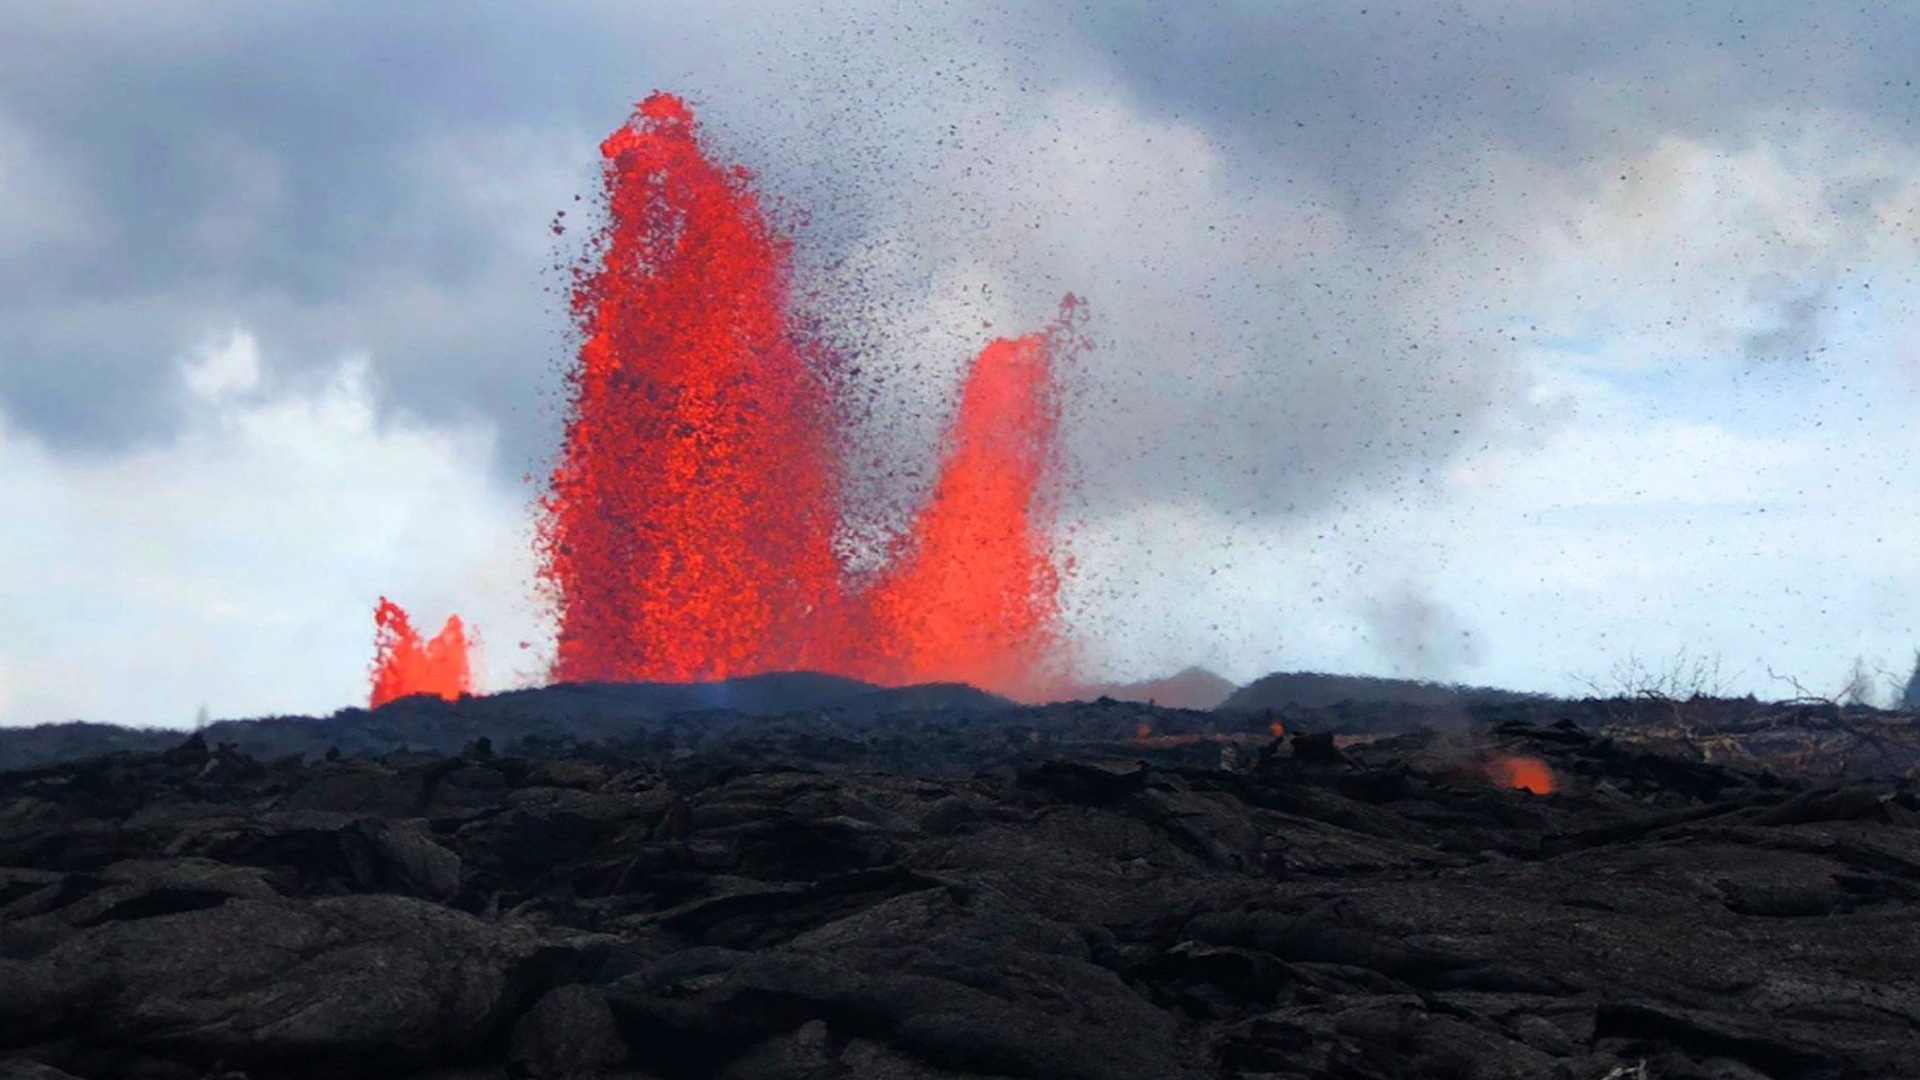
{"points": [[1307, 307]]}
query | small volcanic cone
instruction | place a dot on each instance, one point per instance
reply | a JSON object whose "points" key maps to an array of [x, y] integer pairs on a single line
{"points": [[404, 665], [1522, 773]]}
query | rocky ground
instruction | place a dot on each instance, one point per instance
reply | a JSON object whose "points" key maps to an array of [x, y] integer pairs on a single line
{"points": [[966, 893]]}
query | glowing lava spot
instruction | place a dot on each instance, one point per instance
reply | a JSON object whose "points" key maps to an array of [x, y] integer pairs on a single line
{"points": [[403, 664], [688, 530], [1523, 773], [973, 595]]}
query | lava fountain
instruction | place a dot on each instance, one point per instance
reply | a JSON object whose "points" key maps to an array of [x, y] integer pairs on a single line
{"points": [[688, 530], [403, 664], [972, 594]]}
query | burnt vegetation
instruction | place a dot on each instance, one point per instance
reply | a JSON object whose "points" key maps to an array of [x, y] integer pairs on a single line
{"points": [[803, 876]]}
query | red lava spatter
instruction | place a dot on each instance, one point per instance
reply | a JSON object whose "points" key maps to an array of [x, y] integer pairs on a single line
{"points": [[404, 665], [688, 530]]}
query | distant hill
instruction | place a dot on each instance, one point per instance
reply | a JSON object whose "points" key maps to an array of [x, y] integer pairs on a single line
{"points": [[1312, 689], [1192, 688]]}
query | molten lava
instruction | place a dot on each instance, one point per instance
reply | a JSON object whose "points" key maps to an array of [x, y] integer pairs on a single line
{"points": [[688, 529], [1522, 773], [404, 665]]}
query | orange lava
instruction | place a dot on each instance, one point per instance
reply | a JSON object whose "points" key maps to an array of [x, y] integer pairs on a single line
{"points": [[688, 529], [1523, 773], [405, 665]]}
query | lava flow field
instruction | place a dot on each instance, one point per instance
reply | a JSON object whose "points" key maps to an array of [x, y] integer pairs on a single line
{"points": [[814, 879]]}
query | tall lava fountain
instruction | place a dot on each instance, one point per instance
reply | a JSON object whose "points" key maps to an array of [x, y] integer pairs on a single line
{"points": [[689, 527]]}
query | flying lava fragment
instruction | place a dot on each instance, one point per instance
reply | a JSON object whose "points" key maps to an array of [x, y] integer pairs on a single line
{"points": [[688, 530], [404, 664]]}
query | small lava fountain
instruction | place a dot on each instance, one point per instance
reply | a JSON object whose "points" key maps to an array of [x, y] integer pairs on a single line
{"points": [[403, 664], [973, 594]]}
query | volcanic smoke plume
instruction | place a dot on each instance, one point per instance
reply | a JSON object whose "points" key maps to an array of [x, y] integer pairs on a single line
{"points": [[689, 528]]}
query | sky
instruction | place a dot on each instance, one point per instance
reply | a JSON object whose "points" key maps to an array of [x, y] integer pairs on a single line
{"points": [[1516, 344]]}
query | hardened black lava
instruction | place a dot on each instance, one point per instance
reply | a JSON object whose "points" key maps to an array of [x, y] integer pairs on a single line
{"points": [[816, 880]]}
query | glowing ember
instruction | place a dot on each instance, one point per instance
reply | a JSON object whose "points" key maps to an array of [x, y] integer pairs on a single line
{"points": [[688, 531], [404, 665], [1522, 773]]}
